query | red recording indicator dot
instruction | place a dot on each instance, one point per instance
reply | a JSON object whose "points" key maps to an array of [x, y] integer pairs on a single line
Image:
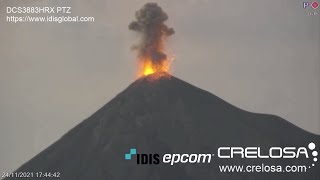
{"points": [[315, 4]]}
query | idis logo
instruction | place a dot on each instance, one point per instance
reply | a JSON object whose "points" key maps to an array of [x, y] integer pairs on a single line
{"points": [[148, 159], [143, 158], [129, 155], [168, 158]]}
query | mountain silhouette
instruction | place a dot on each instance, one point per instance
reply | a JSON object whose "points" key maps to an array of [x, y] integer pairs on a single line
{"points": [[160, 114]]}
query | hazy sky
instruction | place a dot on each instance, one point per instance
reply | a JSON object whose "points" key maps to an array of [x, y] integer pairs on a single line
{"points": [[262, 56]]}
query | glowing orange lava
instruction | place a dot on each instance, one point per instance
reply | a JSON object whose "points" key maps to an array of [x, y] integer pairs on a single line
{"points": [[147, 67]]}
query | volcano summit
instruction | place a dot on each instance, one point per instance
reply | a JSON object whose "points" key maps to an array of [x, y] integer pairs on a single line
{"points": [[168, 115]]}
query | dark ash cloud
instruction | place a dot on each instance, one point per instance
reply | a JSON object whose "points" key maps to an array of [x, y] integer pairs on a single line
{"points": [[150, 24]]}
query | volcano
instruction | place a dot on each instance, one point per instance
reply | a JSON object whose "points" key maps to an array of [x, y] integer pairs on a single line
{"points": [[163, 114]]}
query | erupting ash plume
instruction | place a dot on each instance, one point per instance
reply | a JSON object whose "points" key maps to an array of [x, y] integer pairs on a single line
{"points": [[150, 24]]}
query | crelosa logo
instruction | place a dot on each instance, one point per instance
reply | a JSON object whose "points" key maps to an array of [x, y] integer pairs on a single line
{"points": [[274, 152], [227, 153]]}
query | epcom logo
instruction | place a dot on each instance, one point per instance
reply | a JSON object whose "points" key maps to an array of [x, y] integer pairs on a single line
{"points": [[168, 158]]}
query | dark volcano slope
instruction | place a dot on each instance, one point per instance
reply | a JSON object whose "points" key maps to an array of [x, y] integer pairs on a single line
{"points": [[168, 115]]}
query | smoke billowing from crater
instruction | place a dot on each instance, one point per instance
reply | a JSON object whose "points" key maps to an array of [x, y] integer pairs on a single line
{"points": [[150, 24]]}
